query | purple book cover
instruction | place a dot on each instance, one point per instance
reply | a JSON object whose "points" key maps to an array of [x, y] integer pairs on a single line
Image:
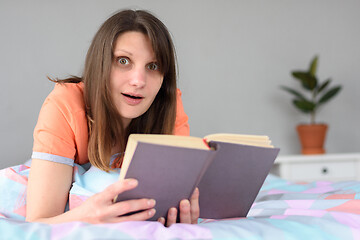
{"points": [[233, 180], [165, 173]]}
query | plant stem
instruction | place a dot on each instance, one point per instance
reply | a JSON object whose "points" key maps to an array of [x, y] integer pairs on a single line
{"points": [[314, 93], [312, 115]]}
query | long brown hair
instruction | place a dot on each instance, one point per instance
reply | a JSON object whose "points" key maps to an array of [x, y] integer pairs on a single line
{"points": [[104, 122]]}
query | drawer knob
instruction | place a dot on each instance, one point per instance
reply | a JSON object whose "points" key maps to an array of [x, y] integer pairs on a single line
{"points": [[325, 170]]}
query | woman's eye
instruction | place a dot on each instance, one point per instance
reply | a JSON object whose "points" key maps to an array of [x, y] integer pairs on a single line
{"points": [[123, 61], [153, 66]]}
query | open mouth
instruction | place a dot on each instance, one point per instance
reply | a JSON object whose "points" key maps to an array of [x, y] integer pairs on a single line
{"points": [[131, 96]]}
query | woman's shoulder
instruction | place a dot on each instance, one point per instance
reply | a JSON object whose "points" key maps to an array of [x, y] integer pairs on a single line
{"points": [[68, 95], [68, 91], [61, 129], [178, 93]]}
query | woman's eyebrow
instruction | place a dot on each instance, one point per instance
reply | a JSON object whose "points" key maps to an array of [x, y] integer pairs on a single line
{"points": [[122, 50]]}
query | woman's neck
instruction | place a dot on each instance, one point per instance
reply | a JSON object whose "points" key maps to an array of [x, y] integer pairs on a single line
{"points": [[126, 122], [117, 147]]}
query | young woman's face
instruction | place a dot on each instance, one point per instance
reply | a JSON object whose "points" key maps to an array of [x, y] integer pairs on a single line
{"points": [[135, 77]]}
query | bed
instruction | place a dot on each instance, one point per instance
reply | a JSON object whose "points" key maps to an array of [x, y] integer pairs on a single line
{"points": [[282, 210]]}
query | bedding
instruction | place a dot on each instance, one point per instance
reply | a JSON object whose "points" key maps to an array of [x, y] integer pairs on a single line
{"points": [[282, 210]]}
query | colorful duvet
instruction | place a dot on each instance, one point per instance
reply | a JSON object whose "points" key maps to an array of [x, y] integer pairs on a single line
{"points": [[282, 210]]}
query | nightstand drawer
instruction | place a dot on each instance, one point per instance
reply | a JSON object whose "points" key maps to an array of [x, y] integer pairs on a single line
{"points": [[343, 170]]}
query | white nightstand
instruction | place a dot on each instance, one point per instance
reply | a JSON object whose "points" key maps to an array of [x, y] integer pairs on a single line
{"points": [[328, 167]]}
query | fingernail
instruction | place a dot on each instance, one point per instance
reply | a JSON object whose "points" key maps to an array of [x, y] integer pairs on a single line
{"points": [[185, 204], [151, 202], [151, 212], [172, 211], [132, 182]]}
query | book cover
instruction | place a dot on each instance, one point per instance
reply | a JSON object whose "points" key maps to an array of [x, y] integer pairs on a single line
{"points": [[167, 174], [229, 174], [233, 179]]}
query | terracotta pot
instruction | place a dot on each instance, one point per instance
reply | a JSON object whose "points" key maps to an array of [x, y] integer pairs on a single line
{"points": [[312, 138]]}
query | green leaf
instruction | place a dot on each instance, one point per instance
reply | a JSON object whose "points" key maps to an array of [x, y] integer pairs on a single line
{"points": [[329, 94], [304, 105], [313, 66], [307, 80], [293, 92], [324, 85]]}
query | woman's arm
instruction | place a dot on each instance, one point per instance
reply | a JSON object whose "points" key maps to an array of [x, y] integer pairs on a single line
{"points": [[48, 190]]}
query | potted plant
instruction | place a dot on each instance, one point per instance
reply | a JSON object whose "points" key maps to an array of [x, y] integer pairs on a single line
{"points": [[312, 135]]}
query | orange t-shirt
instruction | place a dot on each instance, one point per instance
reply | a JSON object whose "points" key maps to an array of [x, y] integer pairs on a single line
{"points": [[61, 133]]}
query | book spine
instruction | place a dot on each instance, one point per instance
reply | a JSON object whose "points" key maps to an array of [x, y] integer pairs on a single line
{"points": [[214, 150]]}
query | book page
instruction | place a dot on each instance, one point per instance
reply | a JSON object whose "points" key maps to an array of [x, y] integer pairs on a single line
{"points": [[253, 140], [171, 140]]}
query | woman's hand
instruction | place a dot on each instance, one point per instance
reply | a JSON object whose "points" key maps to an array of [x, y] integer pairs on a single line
{"points": [[189, 211], [48, 192], [100, 207]]}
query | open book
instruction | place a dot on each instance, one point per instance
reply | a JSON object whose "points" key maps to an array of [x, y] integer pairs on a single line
{"points": [[229, 170]]}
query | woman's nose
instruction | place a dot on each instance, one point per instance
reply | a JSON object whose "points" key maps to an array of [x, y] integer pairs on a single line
{"points": [[138, 78]]}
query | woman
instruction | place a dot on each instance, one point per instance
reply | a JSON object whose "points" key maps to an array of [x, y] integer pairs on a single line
{"points": [[128, 86]]}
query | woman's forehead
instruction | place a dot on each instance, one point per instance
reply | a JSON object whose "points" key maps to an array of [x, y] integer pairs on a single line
{"points": [[134, 44]]}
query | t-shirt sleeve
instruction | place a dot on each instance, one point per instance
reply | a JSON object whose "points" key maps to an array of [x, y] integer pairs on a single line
{"points": [[181, 122], [54, 137]]}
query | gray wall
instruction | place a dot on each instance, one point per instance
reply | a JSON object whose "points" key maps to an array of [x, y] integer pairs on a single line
{"points": [[233, 56]]}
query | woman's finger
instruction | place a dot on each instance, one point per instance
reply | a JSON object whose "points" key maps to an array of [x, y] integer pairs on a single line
{"points": [[171, 219], [129, 206], [185, 214], [140, 216], [161, 220], [194, 206], [118, 187]]}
